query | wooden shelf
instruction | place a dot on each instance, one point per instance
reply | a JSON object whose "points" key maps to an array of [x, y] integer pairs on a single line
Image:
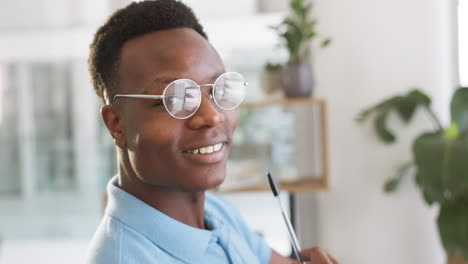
{"points": [[283, 101], [302, 185], [311, 129]]}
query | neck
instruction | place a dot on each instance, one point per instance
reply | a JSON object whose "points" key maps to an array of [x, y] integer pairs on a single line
{"points": [[181, 205]]}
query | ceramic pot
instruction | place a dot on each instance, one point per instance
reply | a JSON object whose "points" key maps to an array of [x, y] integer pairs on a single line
{"points": [[297, 79]]}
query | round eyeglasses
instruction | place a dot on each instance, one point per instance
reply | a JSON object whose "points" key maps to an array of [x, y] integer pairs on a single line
{"points": [[182, 97]]}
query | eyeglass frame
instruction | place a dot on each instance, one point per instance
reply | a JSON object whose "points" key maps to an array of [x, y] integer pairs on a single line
{"points": [[161, 97]]}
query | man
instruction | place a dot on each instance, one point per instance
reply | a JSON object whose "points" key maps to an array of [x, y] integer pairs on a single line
{"points": [[168, 104]]}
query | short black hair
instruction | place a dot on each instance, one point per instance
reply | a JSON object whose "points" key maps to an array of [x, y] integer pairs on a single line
{"points": [[136, 19]]}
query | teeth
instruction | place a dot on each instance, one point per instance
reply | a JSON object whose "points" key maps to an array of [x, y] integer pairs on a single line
{"points": [[208, 149], [218, 146]]}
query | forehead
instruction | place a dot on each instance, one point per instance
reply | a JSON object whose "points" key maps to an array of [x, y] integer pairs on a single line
{"points": [[174, 53]]}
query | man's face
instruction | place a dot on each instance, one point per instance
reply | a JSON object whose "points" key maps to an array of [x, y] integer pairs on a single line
{"points": [[159, 147]]}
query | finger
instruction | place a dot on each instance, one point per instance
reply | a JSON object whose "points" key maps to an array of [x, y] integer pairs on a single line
{"points": [[333, 260], [316, 255]]}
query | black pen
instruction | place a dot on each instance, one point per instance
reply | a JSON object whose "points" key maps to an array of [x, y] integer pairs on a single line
{"points": [[292, 235]]}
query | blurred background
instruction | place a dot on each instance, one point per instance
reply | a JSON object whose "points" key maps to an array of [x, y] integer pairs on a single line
{"points": [[56, 156]]}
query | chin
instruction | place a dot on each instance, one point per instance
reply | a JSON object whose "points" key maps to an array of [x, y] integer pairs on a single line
{"points": [[204, 184]]}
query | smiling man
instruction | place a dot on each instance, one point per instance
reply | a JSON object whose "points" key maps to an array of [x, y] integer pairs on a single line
{"points": [[169, 106]]}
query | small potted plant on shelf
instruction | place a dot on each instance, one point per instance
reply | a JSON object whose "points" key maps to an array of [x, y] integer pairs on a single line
{"points": [[270, 80], [297, 31], [440, 163]]}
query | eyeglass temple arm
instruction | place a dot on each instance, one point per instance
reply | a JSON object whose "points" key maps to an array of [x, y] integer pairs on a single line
{"points": [[144, 96]]}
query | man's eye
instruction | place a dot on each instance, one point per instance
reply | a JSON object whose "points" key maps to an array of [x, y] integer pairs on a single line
{"points": [[189, 95], [158, 102], [221, 92], [174, 100]]}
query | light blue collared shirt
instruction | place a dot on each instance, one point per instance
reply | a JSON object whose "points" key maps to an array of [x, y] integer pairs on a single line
{"points": [[133, 232]]}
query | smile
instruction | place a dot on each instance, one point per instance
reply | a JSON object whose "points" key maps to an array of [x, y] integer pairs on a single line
{"points": [[208, 155], [207, 149]]}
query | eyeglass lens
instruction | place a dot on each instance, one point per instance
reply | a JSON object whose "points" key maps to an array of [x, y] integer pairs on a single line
{"points": [[229, 90], [183, 97]]}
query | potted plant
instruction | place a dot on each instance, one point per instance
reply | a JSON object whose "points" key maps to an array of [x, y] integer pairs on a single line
{"points": [[297, 31], [440, 163], [270, 80]]}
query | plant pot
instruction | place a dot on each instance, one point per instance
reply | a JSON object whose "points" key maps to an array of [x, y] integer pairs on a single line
{"points": [[456, 260], [271, 84], [297, 79]]}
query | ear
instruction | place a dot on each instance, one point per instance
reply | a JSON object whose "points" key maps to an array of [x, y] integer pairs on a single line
{"points": [[114, 122]]}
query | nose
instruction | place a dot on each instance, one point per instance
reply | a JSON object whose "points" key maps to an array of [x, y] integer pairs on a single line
{"points": [[207, 115]]}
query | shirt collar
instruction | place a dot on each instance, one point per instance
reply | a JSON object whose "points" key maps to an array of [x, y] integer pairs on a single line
{"points": [[178, 239]]}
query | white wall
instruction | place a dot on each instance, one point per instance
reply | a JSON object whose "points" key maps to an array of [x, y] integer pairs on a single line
{"points": [[41, 14], [463, 41], [379, 48]]}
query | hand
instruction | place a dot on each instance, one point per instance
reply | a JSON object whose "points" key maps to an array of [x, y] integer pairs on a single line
{"points": [[317, 255]]}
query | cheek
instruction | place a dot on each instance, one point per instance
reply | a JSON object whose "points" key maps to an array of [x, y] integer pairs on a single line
{"points": [[144, 142], [146, 127], [232, 119], [155, 138], [149, 137], [154, 154]]}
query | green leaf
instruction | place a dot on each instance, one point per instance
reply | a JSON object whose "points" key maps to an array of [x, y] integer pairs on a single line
{"points": [[453, 228], [292, 42], [442, 167], [294, 26], [295, 5], [420, 97], [406, 107], [298, 8], [451, 132], [456, 181], [309, 35], [459, 108], [427, 197], [326, 43], [273, 67], [427, 153], [381, 110], [392, 184], [309, 26], [381, 128], [385, 105], [307, 8], [302, 13]]}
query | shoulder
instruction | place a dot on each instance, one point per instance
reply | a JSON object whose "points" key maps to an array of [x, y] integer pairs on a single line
{"points": [[106, 243], [115, 242]]}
